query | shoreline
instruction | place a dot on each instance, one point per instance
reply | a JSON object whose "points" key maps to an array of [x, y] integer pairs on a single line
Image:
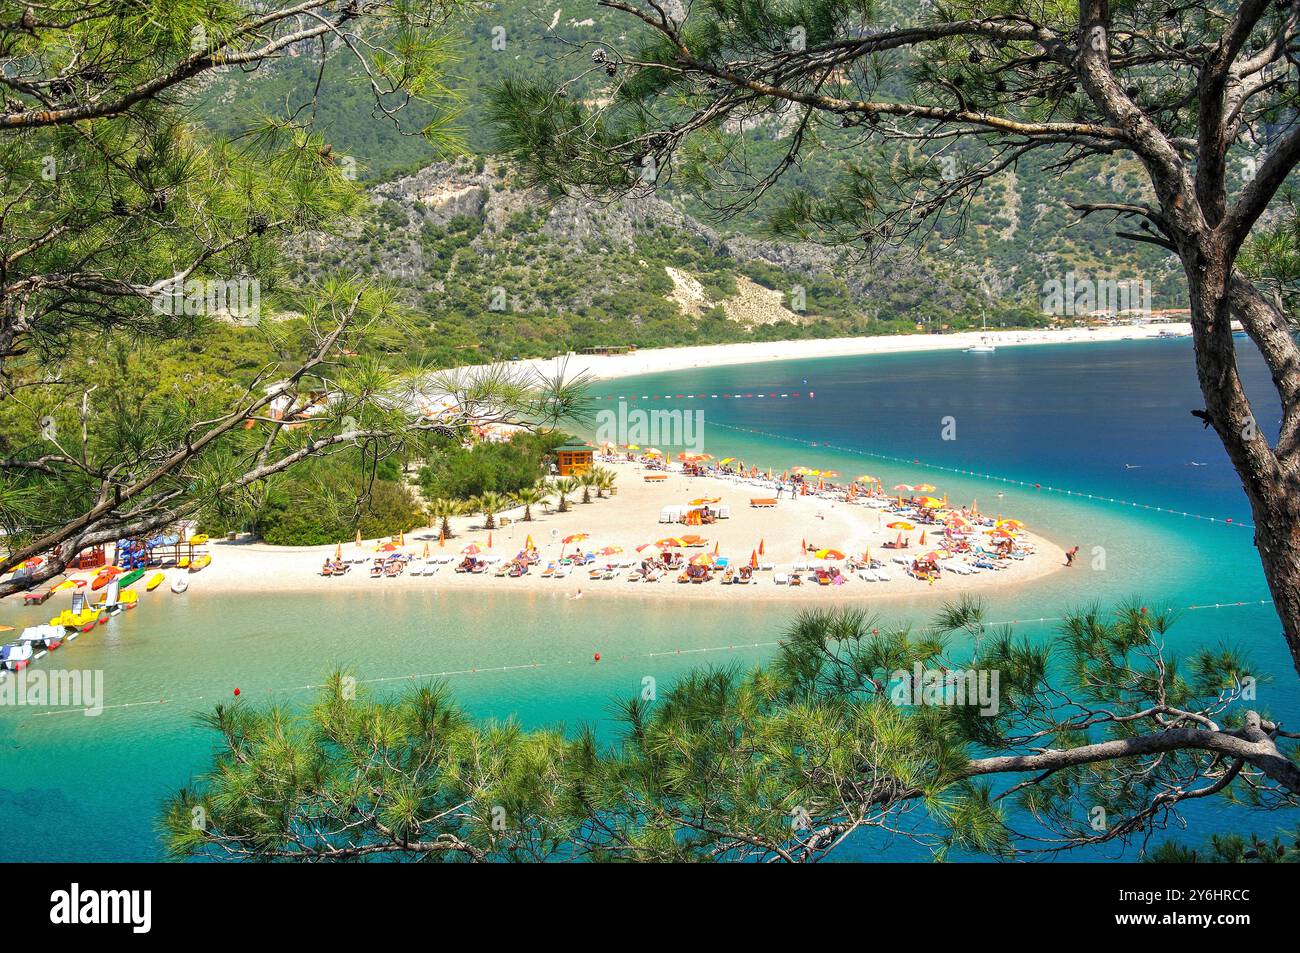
{"points": [[669, 359], [627, 520]]}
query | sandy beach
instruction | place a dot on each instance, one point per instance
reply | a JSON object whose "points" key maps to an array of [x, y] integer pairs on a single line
{"points": [[663, 360], [627, 520]]}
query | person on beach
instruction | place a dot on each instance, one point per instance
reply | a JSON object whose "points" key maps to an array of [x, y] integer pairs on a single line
{"points": [[1070, 554]]}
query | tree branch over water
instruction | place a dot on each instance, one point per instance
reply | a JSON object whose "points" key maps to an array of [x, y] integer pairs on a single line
{"points": [[838, 739]]}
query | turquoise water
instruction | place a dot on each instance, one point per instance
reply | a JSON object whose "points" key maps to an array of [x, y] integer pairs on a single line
{"points": [[73, 787]]}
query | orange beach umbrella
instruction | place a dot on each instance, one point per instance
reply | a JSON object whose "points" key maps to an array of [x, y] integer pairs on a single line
{"points": [[575, 538]]}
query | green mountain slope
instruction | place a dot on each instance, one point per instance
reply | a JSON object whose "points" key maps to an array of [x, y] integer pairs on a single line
{"points": [[500, 271]]}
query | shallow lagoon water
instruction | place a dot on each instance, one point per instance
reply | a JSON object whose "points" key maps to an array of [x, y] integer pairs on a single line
{"points": [[76, 787]]}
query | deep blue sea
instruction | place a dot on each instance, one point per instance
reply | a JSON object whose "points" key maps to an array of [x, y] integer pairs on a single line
{"points": [[1058, 431]]}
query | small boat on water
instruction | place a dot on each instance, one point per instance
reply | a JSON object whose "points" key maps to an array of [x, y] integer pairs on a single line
{"points": [[155, 581], [83, 620], [15, 656], [180, 584], [47, 637]]}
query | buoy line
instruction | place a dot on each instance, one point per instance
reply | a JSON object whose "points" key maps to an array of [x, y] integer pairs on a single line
{"points": [[598, 658], [916, 462]]}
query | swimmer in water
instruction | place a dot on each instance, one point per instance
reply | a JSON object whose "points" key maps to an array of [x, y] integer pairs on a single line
{"points": [[576, 595], [1129, 466]]}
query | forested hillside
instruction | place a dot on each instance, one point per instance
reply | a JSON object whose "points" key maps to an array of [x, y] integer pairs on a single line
{"points": [[503, 271]]}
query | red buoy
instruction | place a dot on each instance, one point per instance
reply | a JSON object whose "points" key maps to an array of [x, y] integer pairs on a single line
{"points": [[236, 692], [597, 657]]}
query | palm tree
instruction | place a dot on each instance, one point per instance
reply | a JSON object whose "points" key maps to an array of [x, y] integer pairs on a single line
{"points": [[531, 496], [490, 504], [564, 488], [605, 480], [442, 510], [586, 480]]}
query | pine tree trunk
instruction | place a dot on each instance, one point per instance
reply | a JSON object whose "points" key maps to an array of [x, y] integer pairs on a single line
{"points": [[1272, 485], [1277, 536]]}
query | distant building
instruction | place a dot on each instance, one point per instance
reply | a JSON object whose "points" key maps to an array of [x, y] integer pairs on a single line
{"points": [[607, 349], [574, 459]]}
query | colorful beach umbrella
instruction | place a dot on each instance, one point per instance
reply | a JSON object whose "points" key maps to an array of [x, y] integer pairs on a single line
{"points": [[899, 524], [670, 541], [904, 487], [924, 488], [575, 538], [611, 550], [753, 559], [471, 550], [829, 554], [760, 547]]}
